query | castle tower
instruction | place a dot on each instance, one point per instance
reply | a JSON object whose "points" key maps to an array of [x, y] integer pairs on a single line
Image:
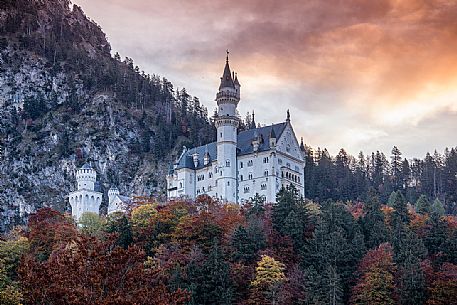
{"points": [[227, 121], [85, 198]]}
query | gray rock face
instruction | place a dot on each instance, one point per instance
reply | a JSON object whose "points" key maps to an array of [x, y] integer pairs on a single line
{"points": [[65, 101]]}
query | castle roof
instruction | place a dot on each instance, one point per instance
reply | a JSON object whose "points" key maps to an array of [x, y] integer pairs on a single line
{"points": [[244, 146], [226, 79], [86, 166]]}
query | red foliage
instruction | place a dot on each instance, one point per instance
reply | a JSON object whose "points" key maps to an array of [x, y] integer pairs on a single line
{"points": [[48, 229], [88, 271], [376, 278], [356, 210], [443, 289]]}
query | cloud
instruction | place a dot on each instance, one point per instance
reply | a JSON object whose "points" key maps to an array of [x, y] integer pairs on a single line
{"points": [[370, 69]]}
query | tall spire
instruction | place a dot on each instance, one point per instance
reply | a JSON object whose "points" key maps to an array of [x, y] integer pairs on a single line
{"points": [[302, 146], [253, 125], [226, 79]]}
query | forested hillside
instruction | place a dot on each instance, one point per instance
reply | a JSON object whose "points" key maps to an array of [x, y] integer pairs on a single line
{"points": [[65, 100], [293, 252], [345, 177]]}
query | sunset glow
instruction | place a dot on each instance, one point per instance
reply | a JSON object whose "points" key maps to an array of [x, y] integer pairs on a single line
{"points": [[363, 75]]}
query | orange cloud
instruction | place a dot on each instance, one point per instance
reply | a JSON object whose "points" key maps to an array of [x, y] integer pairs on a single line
{"points": [[369, 65]]}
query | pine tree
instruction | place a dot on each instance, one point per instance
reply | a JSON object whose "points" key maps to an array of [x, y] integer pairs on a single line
{"points": [[423, 205], [373, 224], [438, 208], [210, 283], [396, 168]]}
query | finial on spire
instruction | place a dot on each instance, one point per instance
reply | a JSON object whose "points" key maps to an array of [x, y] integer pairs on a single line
{"points": [[227, 55], [288, 116]]}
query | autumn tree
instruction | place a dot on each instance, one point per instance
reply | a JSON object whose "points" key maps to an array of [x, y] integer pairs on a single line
{"points": [[376, 278], [269, 277]]}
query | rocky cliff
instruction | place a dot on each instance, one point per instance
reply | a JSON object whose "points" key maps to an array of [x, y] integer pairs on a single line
{"points": [[65, 100]]}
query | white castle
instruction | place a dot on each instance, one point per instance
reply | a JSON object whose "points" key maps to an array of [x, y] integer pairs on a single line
{"points": [[88, 198], [239, 165]]}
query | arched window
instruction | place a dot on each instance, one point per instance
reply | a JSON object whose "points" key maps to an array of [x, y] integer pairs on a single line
{"points": [[241, 177], [227, 163]]}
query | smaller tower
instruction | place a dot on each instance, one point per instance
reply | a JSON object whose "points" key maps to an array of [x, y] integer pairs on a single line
{"points": [[272, 138], [117, 203], [85, 198], [206, 157]]}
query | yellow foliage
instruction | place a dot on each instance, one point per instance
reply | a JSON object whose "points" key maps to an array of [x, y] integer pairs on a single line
{"points": [[143, 215], [268, 272]]}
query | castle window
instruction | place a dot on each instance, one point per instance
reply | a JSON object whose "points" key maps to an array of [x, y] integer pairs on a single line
{"points": [[279, 161], [203, 189], [241, 164], [227, 163], [210, 175], [209, 188], [263, 186], [180, 185], [228, 183], [250, 163], [241, 177], [246, 189], [265, 160], [265, 173], [198, 192], [250, 176]]}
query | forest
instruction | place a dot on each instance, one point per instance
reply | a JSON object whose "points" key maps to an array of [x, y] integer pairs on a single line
{"points": [[294, 251], [345, 177]]}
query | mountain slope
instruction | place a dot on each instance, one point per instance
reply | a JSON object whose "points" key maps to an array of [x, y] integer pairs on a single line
{"points": [[64, 100]]}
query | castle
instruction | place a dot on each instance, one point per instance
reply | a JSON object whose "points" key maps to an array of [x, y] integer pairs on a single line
{"points": [[239, 165], [88, 198]]}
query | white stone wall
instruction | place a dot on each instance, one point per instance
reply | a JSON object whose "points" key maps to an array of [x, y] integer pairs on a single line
{"points": [[84, 201]]}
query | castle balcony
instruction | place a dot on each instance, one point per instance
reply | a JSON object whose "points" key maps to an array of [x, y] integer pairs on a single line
{"points": [[227, 96]]}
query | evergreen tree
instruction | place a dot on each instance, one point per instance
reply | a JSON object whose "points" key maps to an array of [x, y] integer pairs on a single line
{"points": [[373, 224], [423, 205], [396, 168], [438, 208], [210, 283]]}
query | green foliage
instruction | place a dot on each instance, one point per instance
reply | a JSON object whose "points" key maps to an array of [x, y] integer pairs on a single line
{"points": [[289, 214], [119, 224], [247, 242], [373, 224], [210, 282], [423, 205], [91, 224], [437, 207]]}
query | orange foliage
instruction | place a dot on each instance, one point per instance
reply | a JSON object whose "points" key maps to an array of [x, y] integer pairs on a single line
{"points": [[356, 209], [418, 223]]}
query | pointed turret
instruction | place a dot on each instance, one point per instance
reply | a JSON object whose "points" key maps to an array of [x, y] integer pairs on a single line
{"points": [[253, 125], [272, 137], [302, 146], [226, 79]]}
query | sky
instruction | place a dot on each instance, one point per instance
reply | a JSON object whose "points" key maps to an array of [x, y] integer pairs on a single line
{"points": [[355, 74]]}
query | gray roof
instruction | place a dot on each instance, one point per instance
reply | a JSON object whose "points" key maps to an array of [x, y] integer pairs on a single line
{"points": [[226, 79], [244, 146], [86, 166]]}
